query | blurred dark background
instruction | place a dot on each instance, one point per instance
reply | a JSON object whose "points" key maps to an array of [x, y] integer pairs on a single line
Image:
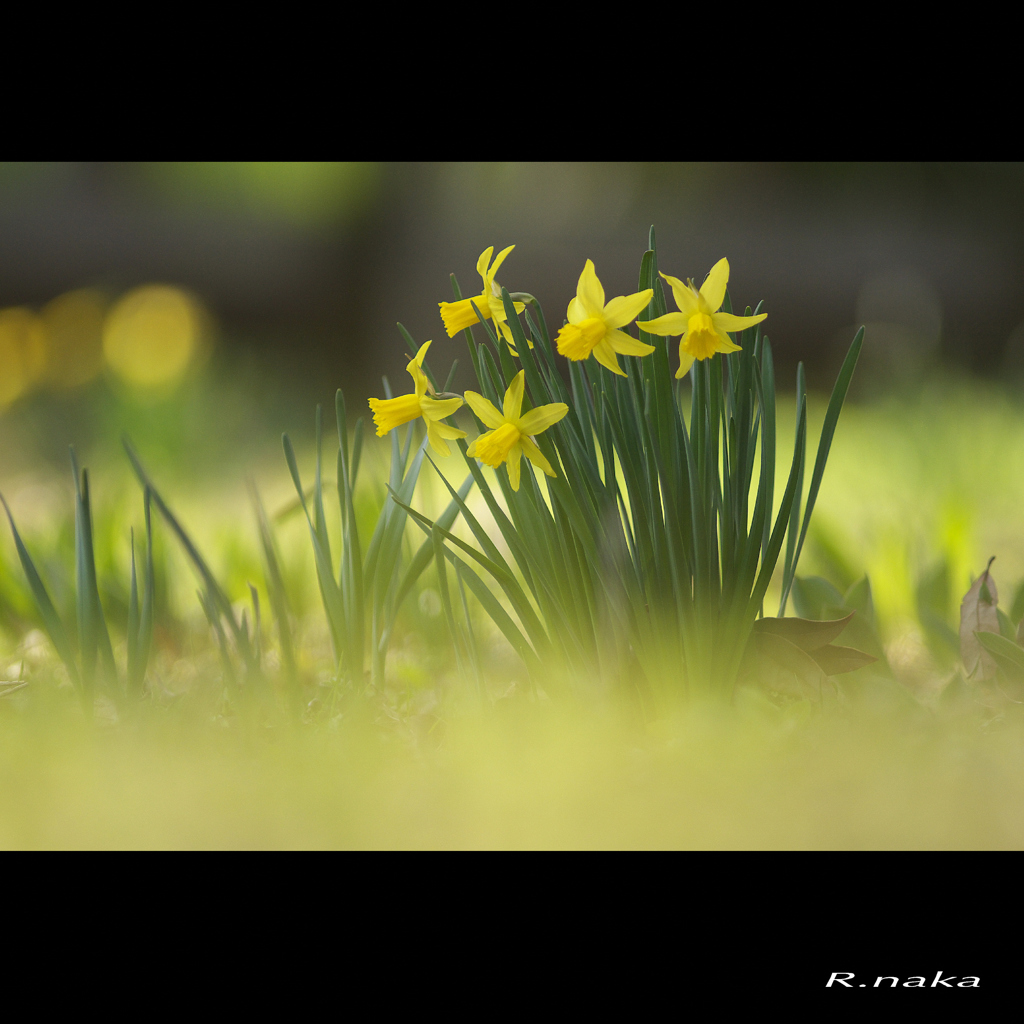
{"points": [[302, 269]]}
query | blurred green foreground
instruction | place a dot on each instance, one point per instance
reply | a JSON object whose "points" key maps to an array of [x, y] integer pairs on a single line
{"points": [[523, 779], [919, 494]]}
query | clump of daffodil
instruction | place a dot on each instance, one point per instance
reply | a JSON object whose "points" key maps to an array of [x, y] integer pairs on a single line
{"points": [[389, 413], [703, 328], [510, 435], [457, 316], [593, 327]]}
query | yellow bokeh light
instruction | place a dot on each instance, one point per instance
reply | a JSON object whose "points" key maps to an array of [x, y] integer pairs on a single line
{"points": [[22, 352], [74, 323], [152, 335]]}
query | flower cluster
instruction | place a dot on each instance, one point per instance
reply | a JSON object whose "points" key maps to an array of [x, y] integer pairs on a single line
{"points": [[593, 327]]}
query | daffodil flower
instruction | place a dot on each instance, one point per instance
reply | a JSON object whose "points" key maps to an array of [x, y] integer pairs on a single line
{"points": [[457, 316], [389, 413], [510, 435], [702, 327], [593, 327]]}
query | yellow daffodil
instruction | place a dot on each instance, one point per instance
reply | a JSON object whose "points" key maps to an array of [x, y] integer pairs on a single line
{"points": [[509, 437], [457, 316], [702, 327], [593, 327], [389, 413]]}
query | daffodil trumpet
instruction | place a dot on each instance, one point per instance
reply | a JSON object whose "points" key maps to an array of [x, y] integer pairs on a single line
{"points": [[512, 431], [704, 330], [457, 316], [389, 413], [594, 327]]}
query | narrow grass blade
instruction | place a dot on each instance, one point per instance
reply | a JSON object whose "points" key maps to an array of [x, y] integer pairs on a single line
{"points": [[503, 578], [357, 452], [279, 603], [145, 645], [422, 557], [329, 592], [828, 429], [218, 599], [504, 622], [51, 620], [497, 614], [437, 543], [451, 376], [391, 540], [318, 492], [351, 570], [94, 636], [257, 637], [133, 624], [771, 553], [767, 378], [471, 645], [213, 616], [87, 643], [789, 562]]}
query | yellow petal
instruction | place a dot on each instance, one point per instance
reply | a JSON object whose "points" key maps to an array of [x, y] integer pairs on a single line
{"points": [[713, 288], [624, 309], [437, 433], [498, 260], [626, 345], [730, 322], [685, 362], [419, 378], [544, 416], [443, 430], [683, 294], [514, 455], [576, 311], [439, 409], [589, 291], [514, 397], [414, 368], [670, 323], [726, 344], [484, 261], [605, 355], [418, 358], [536, 456], [485, 412], [436, 441]]}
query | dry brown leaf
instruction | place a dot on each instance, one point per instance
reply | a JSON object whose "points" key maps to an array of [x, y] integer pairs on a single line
{"points": [[835, 660], [978, 612], [807, 634], [784, 667]]}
